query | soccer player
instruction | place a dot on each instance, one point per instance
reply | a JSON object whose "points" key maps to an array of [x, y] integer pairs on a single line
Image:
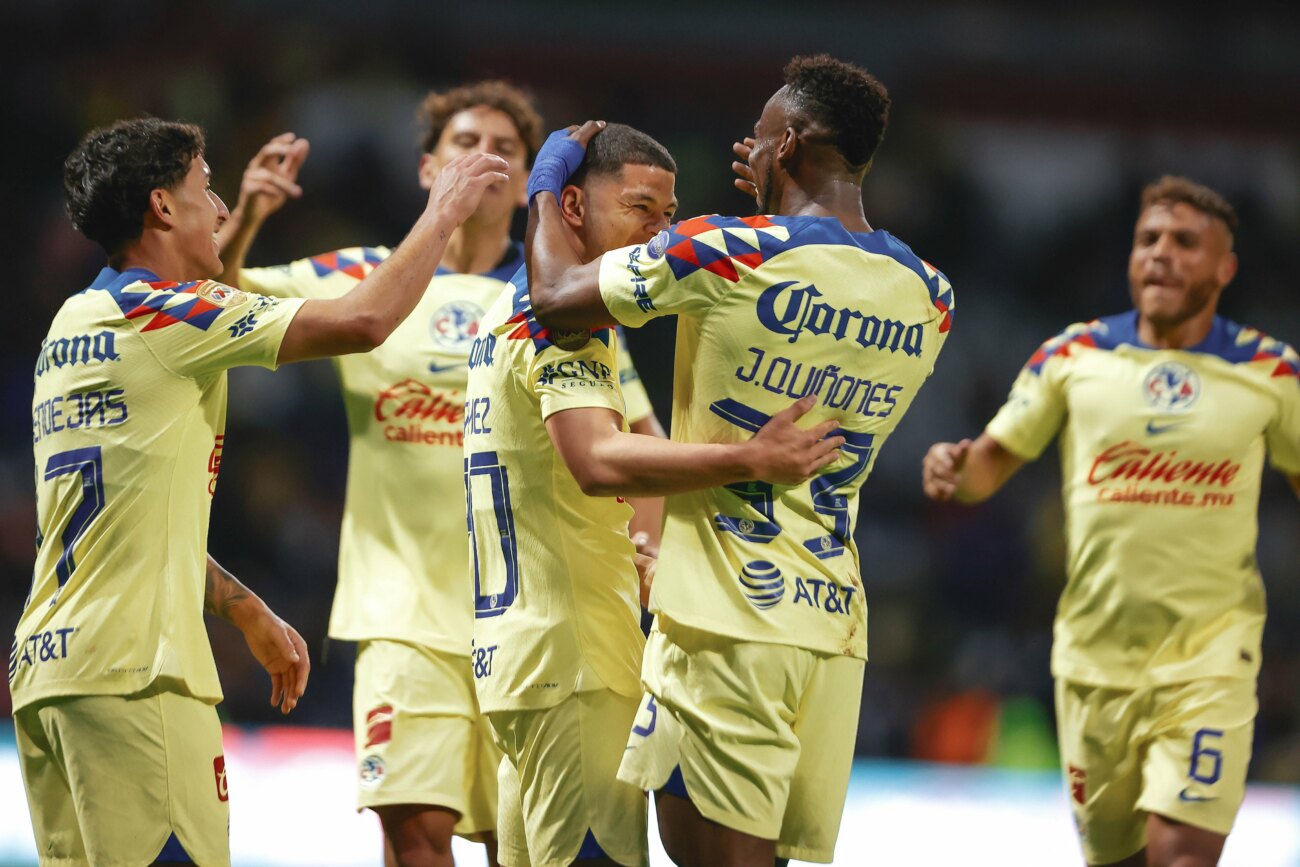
{"points": [[112, 678], [1164, 414], [557, 638], [425, 759], [753, 672]]}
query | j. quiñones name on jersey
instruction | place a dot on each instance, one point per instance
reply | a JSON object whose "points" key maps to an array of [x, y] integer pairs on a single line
{"points": [[1162, 452], [128, 420], [771, 309], [556, 596]]}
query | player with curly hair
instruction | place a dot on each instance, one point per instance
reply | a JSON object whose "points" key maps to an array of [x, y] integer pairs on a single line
{"points": [[752, 675], [112, 678]]}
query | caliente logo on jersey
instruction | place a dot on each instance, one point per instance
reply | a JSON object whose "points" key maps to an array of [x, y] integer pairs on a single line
{"points": [[1171, 387], [455, 324], [762, 583]]}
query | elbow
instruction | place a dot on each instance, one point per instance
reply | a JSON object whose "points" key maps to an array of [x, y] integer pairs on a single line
{"points": [[549, 308], [596, 481], [369, 332]]}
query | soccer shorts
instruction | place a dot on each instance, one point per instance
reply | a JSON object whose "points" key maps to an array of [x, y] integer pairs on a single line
{"points": [[763, 734], [1179, 750], [560, 798], [420, 738], [111, 778]]}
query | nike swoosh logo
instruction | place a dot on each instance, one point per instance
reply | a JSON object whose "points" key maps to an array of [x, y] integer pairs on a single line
{"points": [[1153, 428], [435, 367], [1191, 799]]}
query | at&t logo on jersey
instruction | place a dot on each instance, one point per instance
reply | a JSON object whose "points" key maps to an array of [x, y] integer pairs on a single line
{"points": [[1171, 387], [762, 584], [454, 325]]}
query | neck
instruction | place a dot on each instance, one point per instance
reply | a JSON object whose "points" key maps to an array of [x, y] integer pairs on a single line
{"points": [[157, 258], [476, 247], [1177, 335], [826, 196]]}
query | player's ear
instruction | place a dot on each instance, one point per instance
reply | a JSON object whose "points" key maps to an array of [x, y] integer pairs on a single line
{"points": [[161, 207], [787, 144], [1227, 268], [428, 170], [573, 206]]}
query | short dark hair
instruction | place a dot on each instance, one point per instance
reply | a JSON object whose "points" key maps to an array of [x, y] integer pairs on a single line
{"points": [[619, 145], [108, 178], [849, 101], [439, 108], [1172, 189]]}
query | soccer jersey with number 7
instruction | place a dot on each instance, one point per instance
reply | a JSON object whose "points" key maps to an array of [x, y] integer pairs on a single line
{"points": [[128, 421]]}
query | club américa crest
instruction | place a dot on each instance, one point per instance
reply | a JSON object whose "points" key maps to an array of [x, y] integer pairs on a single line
{"points": [[1171, 387], [455, 325]]}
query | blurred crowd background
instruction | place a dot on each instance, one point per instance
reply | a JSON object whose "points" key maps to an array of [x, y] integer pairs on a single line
{"points": [[1021, 135]]}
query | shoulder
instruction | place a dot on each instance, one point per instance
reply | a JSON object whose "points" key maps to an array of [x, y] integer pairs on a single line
{"points": [[355, 262], [1241, 344], [1105, 333]]}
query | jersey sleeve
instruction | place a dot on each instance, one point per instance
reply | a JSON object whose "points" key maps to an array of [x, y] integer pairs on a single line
{"points": [[1035, 409], [329, 275], [684, 270], [585, 376], [1283, 433], [634, 393], [195, 329]]}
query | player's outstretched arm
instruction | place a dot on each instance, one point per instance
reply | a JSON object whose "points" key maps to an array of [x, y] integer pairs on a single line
{"points": [[362, 319], [606, 461], [564, 292], [968, 472], [270, 180], [275, 644]]}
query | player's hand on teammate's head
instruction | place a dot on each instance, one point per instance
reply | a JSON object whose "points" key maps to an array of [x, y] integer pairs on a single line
{"points": [[272, 176], [745, 175], [941, 469], [460, 184], [787, 454], [279, 649], [559, 158]]}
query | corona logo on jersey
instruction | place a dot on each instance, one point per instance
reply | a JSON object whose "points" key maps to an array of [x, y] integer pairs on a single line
{"points": [[762, 584], [1171, 387], [455, 324], [412, 412], [791, 310]]}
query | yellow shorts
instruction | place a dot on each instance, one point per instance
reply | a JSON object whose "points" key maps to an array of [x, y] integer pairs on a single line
{"points": [[420, 738], [559, 794], [763, 735], [1180, 751], [111, 778]]}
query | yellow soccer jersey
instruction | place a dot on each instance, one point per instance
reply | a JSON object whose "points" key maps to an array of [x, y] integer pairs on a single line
{"points": [[403, 563], [1161, 457], [770, 309], [556, 595], [127, 425]]}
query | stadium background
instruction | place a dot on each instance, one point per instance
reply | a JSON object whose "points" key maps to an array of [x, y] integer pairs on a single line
{"points": [[1020, 136]]}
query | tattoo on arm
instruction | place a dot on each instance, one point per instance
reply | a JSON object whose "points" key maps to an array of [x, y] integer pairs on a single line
{"points": [[222, 591]]}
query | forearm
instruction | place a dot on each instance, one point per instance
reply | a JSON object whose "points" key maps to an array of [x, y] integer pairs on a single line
{"points": [[988, 467], [226, 597], [564, 292], [364, 317], [632, 465]]}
